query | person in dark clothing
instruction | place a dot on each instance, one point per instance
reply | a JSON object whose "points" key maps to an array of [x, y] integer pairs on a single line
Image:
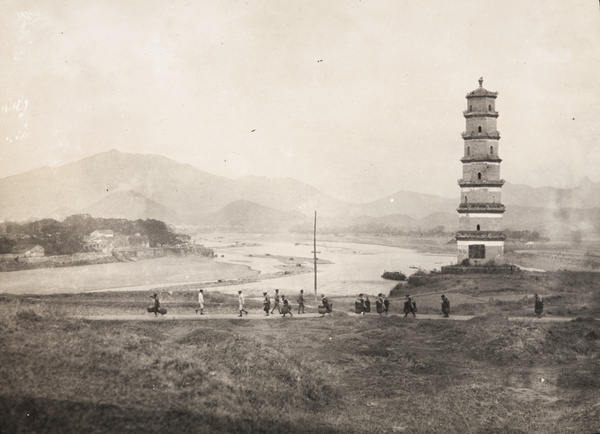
{"points": [[445, 306], [286, 307], [156, 304], [359, 305], [379, 304], [367, 304], [539, 305], [325, 307], [301, 302], [276, 302], [409, 306], [386, 304], [266, 304]]}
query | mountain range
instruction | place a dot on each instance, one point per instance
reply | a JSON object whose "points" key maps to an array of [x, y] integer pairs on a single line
{"points": [[122, 185]]}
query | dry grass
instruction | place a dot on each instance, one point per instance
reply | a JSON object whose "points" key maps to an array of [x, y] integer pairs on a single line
{"points": [[336, 374]]}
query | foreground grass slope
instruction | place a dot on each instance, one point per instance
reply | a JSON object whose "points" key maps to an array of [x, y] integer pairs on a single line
{"points": [[336, 374]]}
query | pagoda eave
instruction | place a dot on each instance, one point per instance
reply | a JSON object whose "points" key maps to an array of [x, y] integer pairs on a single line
{"points": [[470, 114], [481, 93], [478, 183], [481, 160], [483, 136], [480, 236], [479, 208]]}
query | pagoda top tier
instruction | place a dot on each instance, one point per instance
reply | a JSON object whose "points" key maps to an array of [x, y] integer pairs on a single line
{"points": [[481, 92]]}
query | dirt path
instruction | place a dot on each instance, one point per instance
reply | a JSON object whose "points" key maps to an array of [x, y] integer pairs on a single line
{"points": [[261, 316]]}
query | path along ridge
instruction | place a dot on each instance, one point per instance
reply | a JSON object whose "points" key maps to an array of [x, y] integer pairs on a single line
{"points": [[260, 316]]}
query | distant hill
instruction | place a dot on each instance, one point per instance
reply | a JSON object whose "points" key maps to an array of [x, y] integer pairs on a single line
{"points": [[117, 184], [289, 195], [183, 190], [416, 205], [245, 216], [449, 220], [39, 192], [130, 205], [584, 196]]}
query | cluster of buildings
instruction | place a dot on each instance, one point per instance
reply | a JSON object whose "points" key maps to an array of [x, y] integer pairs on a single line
{"points": [[106, 241]]}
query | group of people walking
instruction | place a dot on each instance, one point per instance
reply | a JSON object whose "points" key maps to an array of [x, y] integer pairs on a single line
{"points": [[362, 305], [281, 304]]}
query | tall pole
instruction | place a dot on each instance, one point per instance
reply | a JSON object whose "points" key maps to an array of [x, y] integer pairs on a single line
{"points": [[315, 253]]}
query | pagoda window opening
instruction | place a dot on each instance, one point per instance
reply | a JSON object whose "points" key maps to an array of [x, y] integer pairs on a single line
{"points": [[491, 150], [466, 200], [479, 129], [490, 107], [478, 227], [470, 108], [468, 151], [478, 175]]}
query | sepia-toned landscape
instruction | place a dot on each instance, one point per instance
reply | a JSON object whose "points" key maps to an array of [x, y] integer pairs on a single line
{"points": [[239, 217]]}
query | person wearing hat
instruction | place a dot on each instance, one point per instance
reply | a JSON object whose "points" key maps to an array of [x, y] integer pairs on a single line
{"points": [[200, 302], [242, 303], [156, 303], [276, 302], [266, 304], [286, 306], [445, 306], [301, 302]]}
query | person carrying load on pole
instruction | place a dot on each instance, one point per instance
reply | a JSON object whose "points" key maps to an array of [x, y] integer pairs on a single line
{"points": [[325, 306], [409, 306], [156, 306], [156, 303]]}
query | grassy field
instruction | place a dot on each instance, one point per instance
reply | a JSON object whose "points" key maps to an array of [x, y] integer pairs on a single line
{"points": [[344, 373]]}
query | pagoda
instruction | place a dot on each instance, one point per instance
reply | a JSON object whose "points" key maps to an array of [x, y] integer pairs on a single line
{"points": [[479, 237]]}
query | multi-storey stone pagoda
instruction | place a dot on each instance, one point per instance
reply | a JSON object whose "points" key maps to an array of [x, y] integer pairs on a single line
{"points": [[479, 237]]}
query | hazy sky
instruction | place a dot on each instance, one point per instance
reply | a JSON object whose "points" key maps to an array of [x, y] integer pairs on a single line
{"points": [[358, 98]]}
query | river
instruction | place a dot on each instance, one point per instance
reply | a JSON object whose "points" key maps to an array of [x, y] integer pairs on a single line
{"points": [[354, 268]]}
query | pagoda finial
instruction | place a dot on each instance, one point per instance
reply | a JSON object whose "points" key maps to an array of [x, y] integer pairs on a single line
{"points": [[480, 81]]}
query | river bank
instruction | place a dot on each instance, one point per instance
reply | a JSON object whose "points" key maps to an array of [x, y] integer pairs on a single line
{"points": [[253, 264]]}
